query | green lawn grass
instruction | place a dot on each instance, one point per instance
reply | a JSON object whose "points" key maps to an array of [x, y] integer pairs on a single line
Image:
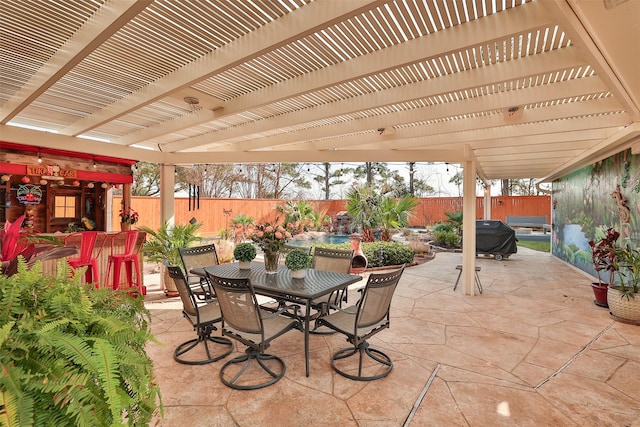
{"points": [[537, 246]]}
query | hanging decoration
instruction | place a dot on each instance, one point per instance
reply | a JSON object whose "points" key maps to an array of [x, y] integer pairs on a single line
{"points": [[29, 194]]}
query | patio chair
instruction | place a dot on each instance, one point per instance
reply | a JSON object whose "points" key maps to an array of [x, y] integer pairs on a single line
{"points": [[90, 242], [359, 322], [245, 321], [203, 317], [336, 260], [198, 257]]}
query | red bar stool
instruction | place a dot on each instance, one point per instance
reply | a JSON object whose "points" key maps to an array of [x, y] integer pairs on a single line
{"points": [[133, 240], [91, 244]]}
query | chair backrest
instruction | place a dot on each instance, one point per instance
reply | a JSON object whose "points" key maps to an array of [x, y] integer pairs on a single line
{"points": [[238, 304], [89, 240], [198, 257], [132, 242], [336, 260], [189, 304], [374, 305]]}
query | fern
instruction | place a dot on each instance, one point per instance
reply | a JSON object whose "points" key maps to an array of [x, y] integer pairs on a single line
{"points": [[72, 355]]}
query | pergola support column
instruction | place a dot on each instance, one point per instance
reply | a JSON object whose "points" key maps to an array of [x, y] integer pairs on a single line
{"points": [[167, 190], [469, 227]]}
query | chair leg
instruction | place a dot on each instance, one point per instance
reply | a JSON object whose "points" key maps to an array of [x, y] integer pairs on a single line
{"points": [[380, 359], [204, 337], [274, 373]]}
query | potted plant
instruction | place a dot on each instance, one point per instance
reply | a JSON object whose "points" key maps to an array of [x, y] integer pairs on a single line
{"points": [[162, 245], [298, 260], [603, 258], [81, 360], [621, 296], [245, 253]]}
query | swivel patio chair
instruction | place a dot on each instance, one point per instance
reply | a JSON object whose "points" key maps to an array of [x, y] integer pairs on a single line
{"points": [[198, 257], [129, 257], [203, 317], [336, 260], [91, 245], [244, 320], [359, 322]]}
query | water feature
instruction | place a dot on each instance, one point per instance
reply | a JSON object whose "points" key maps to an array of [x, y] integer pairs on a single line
{"points": [[308, 241]]}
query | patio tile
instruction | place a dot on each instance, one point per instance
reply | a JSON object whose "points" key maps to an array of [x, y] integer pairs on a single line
{"points": [[532, 350]]}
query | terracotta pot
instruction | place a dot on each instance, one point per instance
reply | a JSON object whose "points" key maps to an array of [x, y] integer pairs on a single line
{"points": [[600, 293], [170, 289], [125, 226]]}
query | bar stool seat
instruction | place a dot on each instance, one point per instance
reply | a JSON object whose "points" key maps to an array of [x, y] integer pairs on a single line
{"points": [[129, 258], [478, 284], [91, 244]]}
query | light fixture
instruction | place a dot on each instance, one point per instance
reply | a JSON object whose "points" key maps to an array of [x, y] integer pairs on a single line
{"points": [[104, 185], [39, 157], [90, 185], [380, 131], [95, 165], [5, 178]]}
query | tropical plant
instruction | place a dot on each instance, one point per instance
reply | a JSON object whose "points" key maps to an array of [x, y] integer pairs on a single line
{"points": [[603, 253], [244, 252], [454, 219], [298, 259], [163, 243], [303, 213], [71, 354], [363, 207], [627, 264], [369, 211], [395, 214], [241, 224], [16, 241]]}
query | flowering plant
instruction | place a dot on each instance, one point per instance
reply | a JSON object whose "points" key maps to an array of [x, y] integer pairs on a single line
{"points": [[272, 237], [128, 215]]}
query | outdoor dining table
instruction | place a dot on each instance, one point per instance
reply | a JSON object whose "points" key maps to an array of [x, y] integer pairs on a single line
{"points": [[281, 286]]}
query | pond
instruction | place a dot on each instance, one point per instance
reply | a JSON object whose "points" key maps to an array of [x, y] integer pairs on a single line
{"points": [[319, 239]]}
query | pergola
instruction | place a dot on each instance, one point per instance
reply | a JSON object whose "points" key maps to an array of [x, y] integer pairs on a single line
{"points": [[506, 88]]}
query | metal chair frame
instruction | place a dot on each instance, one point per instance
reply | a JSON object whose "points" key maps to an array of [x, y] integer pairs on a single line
{"points": [[245, 321], [199, 257], [202, 317], [359, 322]]}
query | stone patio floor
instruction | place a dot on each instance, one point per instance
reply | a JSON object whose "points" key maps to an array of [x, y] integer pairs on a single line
{"points": [[532, 350]]}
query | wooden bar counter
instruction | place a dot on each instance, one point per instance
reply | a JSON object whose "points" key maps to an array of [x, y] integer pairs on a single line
{"points": [[115, 240]]}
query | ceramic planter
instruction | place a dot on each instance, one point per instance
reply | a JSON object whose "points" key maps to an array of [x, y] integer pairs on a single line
{"points": [[600, 294], [298, 274], [245, 265]]}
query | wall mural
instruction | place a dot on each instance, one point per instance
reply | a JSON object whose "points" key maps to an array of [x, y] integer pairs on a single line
{"points": [[605, 194]]}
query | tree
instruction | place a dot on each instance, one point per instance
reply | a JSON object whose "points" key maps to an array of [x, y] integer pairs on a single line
{"points": [[395, 214], [146, 179], [457, 180]]}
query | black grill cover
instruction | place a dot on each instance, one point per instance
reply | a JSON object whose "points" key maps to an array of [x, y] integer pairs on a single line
{"points": [[495, 237]]}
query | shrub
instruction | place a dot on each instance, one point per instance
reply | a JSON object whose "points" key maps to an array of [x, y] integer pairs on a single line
{"points": [[72, 354], [380, 254], [446, 239]]}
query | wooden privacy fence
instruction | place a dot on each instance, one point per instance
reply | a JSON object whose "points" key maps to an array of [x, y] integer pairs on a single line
{"points": [[217, 214]]}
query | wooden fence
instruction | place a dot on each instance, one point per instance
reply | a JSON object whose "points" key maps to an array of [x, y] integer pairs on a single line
{"points": [[216, 214]]}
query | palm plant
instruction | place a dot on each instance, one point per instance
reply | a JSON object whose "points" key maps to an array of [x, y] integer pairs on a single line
{"points": [[363, 206], [164, 242], [395, 214]]}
